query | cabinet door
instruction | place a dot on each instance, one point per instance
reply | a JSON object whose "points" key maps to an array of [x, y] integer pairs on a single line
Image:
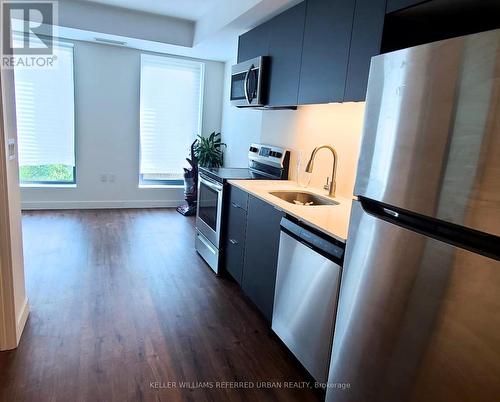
{"points": [[395, 5], [261, 254], [235, 235], [285, 49], [254, 43], [366, 41], [325, 54]]}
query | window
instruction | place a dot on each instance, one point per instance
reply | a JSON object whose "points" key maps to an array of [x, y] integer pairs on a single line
{"points": [[45, 121], [170, 114]]}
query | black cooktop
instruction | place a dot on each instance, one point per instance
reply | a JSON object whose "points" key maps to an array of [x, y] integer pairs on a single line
{"points": [[223, 174]]}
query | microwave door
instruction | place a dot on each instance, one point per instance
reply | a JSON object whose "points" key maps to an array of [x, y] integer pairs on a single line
{"points": [[246, 82], [239, 88]]}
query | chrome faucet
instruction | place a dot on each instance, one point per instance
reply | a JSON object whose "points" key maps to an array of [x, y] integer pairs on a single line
{"points": [[309, 168]]}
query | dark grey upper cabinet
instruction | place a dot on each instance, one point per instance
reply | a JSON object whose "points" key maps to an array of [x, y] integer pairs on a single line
{"points": [[254, 43], [261, 254], [327, 35], [285, 48], [366, 40], [395, 5], [320, 50]]}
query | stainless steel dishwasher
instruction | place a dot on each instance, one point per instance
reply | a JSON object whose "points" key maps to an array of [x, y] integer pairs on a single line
{"points": [[306, 294]]}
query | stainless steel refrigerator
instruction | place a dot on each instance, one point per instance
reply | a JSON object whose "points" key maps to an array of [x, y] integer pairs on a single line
{"points": [[419, 310]]}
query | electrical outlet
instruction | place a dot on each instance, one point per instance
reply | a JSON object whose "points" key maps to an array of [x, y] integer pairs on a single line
{"points": [[104, 178], [12, 148]]}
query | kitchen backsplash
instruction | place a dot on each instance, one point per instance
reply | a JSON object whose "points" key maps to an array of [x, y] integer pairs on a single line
{"points": [[338, 124]]}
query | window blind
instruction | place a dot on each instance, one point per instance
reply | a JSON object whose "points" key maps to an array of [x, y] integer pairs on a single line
{"points": [[170, 114], [45, 111]]}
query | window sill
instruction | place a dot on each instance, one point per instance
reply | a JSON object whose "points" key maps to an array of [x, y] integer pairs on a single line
{"points": [[161, 186], [44, 185]]}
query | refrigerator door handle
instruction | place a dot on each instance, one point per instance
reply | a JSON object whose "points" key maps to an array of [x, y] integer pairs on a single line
{"points": [[460, 236]]}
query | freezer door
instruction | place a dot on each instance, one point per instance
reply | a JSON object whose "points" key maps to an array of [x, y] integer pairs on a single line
{"points": [[418, 319], [431, 140]]}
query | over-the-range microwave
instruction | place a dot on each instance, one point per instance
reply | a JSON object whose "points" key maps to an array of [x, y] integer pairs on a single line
{"points": [[248, 82]]}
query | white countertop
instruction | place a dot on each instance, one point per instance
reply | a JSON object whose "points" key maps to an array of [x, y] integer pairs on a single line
{"points": [[332, 220]]}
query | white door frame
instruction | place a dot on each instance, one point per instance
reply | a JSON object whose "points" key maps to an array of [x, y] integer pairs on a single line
{"points": [[7, 310], [12, 317]]}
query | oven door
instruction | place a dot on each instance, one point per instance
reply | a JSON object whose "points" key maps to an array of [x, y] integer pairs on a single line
{"points": [[208, 216]]}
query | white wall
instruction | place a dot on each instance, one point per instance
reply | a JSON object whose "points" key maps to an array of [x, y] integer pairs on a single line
{"points": [[107, 132]]}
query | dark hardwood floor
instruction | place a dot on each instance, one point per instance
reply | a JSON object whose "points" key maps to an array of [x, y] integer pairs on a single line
{"points": [[123, 309]]}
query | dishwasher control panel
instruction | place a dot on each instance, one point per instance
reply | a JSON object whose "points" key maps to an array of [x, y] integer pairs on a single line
{"points": [[329, 247]]}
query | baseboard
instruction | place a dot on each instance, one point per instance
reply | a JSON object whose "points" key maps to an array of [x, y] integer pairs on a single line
{"points": [[21, 321], [39, 205]]}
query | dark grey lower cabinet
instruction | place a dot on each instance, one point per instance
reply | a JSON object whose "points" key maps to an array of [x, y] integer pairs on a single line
{"points": [[235, 234], [261, 254]]}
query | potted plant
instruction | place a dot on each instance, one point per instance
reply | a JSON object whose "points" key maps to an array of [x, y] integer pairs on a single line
{"points": [[205, 152], [208, 150]]}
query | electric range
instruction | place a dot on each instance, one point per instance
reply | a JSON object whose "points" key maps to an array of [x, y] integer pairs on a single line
{"points": [[265, 162]]}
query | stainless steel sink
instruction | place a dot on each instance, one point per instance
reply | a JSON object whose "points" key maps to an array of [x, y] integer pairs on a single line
{"points": [[303, 198]]}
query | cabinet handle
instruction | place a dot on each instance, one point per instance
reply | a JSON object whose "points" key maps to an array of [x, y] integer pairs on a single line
{"points": [[232, 241], [236, 205]]}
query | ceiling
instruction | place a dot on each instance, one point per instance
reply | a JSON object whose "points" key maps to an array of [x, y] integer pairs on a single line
{"points": [[187, 9], [206, 29]]}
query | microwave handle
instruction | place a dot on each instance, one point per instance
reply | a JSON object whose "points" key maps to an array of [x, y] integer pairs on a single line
{"points": [[247, 76]]}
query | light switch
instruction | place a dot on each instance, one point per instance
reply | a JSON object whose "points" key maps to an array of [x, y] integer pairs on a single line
{"points": [[12, 149]]}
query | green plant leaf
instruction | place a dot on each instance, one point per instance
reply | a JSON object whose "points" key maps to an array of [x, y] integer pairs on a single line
{"points": [[208, 150]]}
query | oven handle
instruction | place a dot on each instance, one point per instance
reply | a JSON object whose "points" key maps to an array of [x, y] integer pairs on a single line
{"points": [[209, 183]]}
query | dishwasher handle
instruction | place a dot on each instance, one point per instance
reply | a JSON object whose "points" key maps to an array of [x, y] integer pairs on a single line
{"points": [[330, 248]]}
